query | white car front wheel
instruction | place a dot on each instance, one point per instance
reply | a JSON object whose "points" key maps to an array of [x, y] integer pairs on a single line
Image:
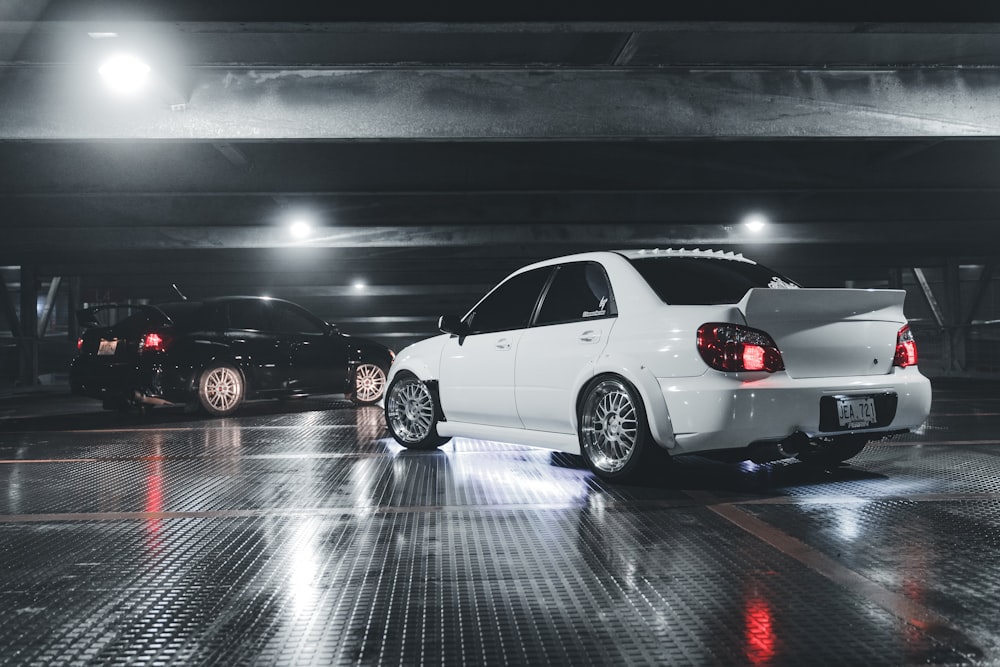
{"points": [[411, 414]]}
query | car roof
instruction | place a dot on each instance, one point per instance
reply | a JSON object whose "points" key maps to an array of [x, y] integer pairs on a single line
{"points": [[638, 253], [223, 299]]}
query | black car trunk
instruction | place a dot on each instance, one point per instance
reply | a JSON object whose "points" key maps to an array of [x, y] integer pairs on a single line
{"points": [[113, 332]]}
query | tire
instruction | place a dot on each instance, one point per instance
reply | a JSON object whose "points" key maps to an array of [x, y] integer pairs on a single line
{"points": [[614, 433], [836, 451], [369, 384], [221, 389], [411, 413]]}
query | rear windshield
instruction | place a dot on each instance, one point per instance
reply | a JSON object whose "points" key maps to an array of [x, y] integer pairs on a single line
{"points": [[184, 314], [691, 281]]}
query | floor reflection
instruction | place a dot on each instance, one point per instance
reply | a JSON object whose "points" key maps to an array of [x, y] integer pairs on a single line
{"points": [[301, 534]]}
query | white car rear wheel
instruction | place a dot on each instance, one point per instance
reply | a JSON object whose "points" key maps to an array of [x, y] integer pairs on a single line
{"points": [[614, 433]]}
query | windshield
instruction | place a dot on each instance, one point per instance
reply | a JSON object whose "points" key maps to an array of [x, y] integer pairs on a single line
{"points": [[690, 281]]}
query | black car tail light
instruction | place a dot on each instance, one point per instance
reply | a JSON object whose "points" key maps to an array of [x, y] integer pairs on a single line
{"points": [[79, 344], [906, 348], [154, 342], [734, 348]]}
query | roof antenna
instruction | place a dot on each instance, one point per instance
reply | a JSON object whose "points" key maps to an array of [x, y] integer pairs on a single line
{"points": [[178, 290]]}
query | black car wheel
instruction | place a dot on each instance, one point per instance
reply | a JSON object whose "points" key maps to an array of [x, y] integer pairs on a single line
{"points": [[411, 414], [221, 389], [369, 384]]}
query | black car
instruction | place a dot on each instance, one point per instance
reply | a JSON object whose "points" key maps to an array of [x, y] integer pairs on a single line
{"points": [[217, 352]]}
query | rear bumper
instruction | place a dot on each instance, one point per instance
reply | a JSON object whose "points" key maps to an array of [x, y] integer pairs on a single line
{"points": [[718, 411], [143, 382]]}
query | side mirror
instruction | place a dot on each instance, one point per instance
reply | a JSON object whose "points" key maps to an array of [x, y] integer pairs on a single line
{"points": [[452, 324]]}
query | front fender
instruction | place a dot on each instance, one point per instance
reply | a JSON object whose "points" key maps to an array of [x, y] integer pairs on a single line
{"points": [[423, 359]]}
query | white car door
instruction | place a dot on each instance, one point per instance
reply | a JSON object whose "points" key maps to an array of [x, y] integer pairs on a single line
{"points": [[569, 333], [477, 370]]}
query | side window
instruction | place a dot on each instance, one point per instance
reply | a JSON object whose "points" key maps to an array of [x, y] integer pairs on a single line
{"points": [[214, 318], [579, 291], [510, 305], [250, 314], [289, 319]]}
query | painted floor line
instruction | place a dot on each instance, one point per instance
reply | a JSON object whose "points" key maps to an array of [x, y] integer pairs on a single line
{"points": [[913, 613]]}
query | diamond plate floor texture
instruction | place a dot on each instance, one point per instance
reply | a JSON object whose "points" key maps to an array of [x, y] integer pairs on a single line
{"points": [[299, 534]]}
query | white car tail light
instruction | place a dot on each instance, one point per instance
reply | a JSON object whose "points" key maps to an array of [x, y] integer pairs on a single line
{"points": [[906, 348], [734, 348]]}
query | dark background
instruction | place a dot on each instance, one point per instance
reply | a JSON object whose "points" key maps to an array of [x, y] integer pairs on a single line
{"points": [[435, 149]]}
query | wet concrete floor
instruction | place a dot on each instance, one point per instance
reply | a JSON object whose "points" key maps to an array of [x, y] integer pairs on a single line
{"points": [[297, 533]]}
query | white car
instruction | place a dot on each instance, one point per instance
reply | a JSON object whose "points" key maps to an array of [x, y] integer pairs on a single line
{"points": [[616, 355]]}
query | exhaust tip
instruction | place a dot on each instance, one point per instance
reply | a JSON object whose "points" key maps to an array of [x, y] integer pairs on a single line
{"points": [[766, 452]]}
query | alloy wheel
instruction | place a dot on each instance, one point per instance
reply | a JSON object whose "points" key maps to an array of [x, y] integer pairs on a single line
{"points": [[369, 383], [609, 426], [410, 409], [223, 388]]}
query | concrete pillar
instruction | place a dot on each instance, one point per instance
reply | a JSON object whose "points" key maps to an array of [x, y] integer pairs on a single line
{"points": [[29, 325]]}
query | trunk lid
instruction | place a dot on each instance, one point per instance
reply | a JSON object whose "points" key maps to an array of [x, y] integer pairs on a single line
{"points": [[829, 332], [112, 331]]}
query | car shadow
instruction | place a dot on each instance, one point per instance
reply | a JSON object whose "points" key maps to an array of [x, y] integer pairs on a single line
{"points": [[698, 473], [57, 414]]}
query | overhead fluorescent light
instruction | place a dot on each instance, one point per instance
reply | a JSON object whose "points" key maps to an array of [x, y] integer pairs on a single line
{"points": [[124, 73]]}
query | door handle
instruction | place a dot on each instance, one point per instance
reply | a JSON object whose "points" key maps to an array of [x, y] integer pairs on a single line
{"points": [[503, 344], [590, 336]]}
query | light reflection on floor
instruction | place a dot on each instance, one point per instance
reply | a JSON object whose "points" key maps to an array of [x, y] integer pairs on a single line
{"points": [[301, 534]]}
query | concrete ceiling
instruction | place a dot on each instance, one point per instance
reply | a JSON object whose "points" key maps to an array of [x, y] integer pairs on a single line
{"points": [[437, 149]]}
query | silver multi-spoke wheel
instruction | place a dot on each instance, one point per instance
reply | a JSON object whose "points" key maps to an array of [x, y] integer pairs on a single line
{"points": [[410, 409], [410, 413], [369, 383], [221, 390], [609, 426]]}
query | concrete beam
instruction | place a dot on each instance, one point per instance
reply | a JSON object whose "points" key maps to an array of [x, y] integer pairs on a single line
{"points": [[977, 235], [229, 103]]}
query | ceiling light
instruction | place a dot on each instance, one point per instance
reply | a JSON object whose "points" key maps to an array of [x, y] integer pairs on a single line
{"points": [[124, 73], [755, 222], [359, 284], [300, 229], [102, 35]]}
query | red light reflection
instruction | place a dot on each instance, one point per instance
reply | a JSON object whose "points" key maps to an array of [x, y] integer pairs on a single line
{"points": [[759, 630], [153, 505]]}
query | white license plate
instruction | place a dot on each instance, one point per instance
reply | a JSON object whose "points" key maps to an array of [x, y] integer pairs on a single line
{"points": [[107, 347], [856, 412]]}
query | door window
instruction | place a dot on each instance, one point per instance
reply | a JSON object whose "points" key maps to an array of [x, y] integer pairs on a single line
{"points": [[510, 305], [292, 319], [579, 291]]}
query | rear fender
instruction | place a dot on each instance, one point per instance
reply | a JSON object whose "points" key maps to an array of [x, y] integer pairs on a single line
{"points": [[640, 377], [217, 354]]}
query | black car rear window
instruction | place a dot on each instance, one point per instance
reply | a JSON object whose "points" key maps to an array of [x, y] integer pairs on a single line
{"points": [[184, 314], [691, 281]]}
